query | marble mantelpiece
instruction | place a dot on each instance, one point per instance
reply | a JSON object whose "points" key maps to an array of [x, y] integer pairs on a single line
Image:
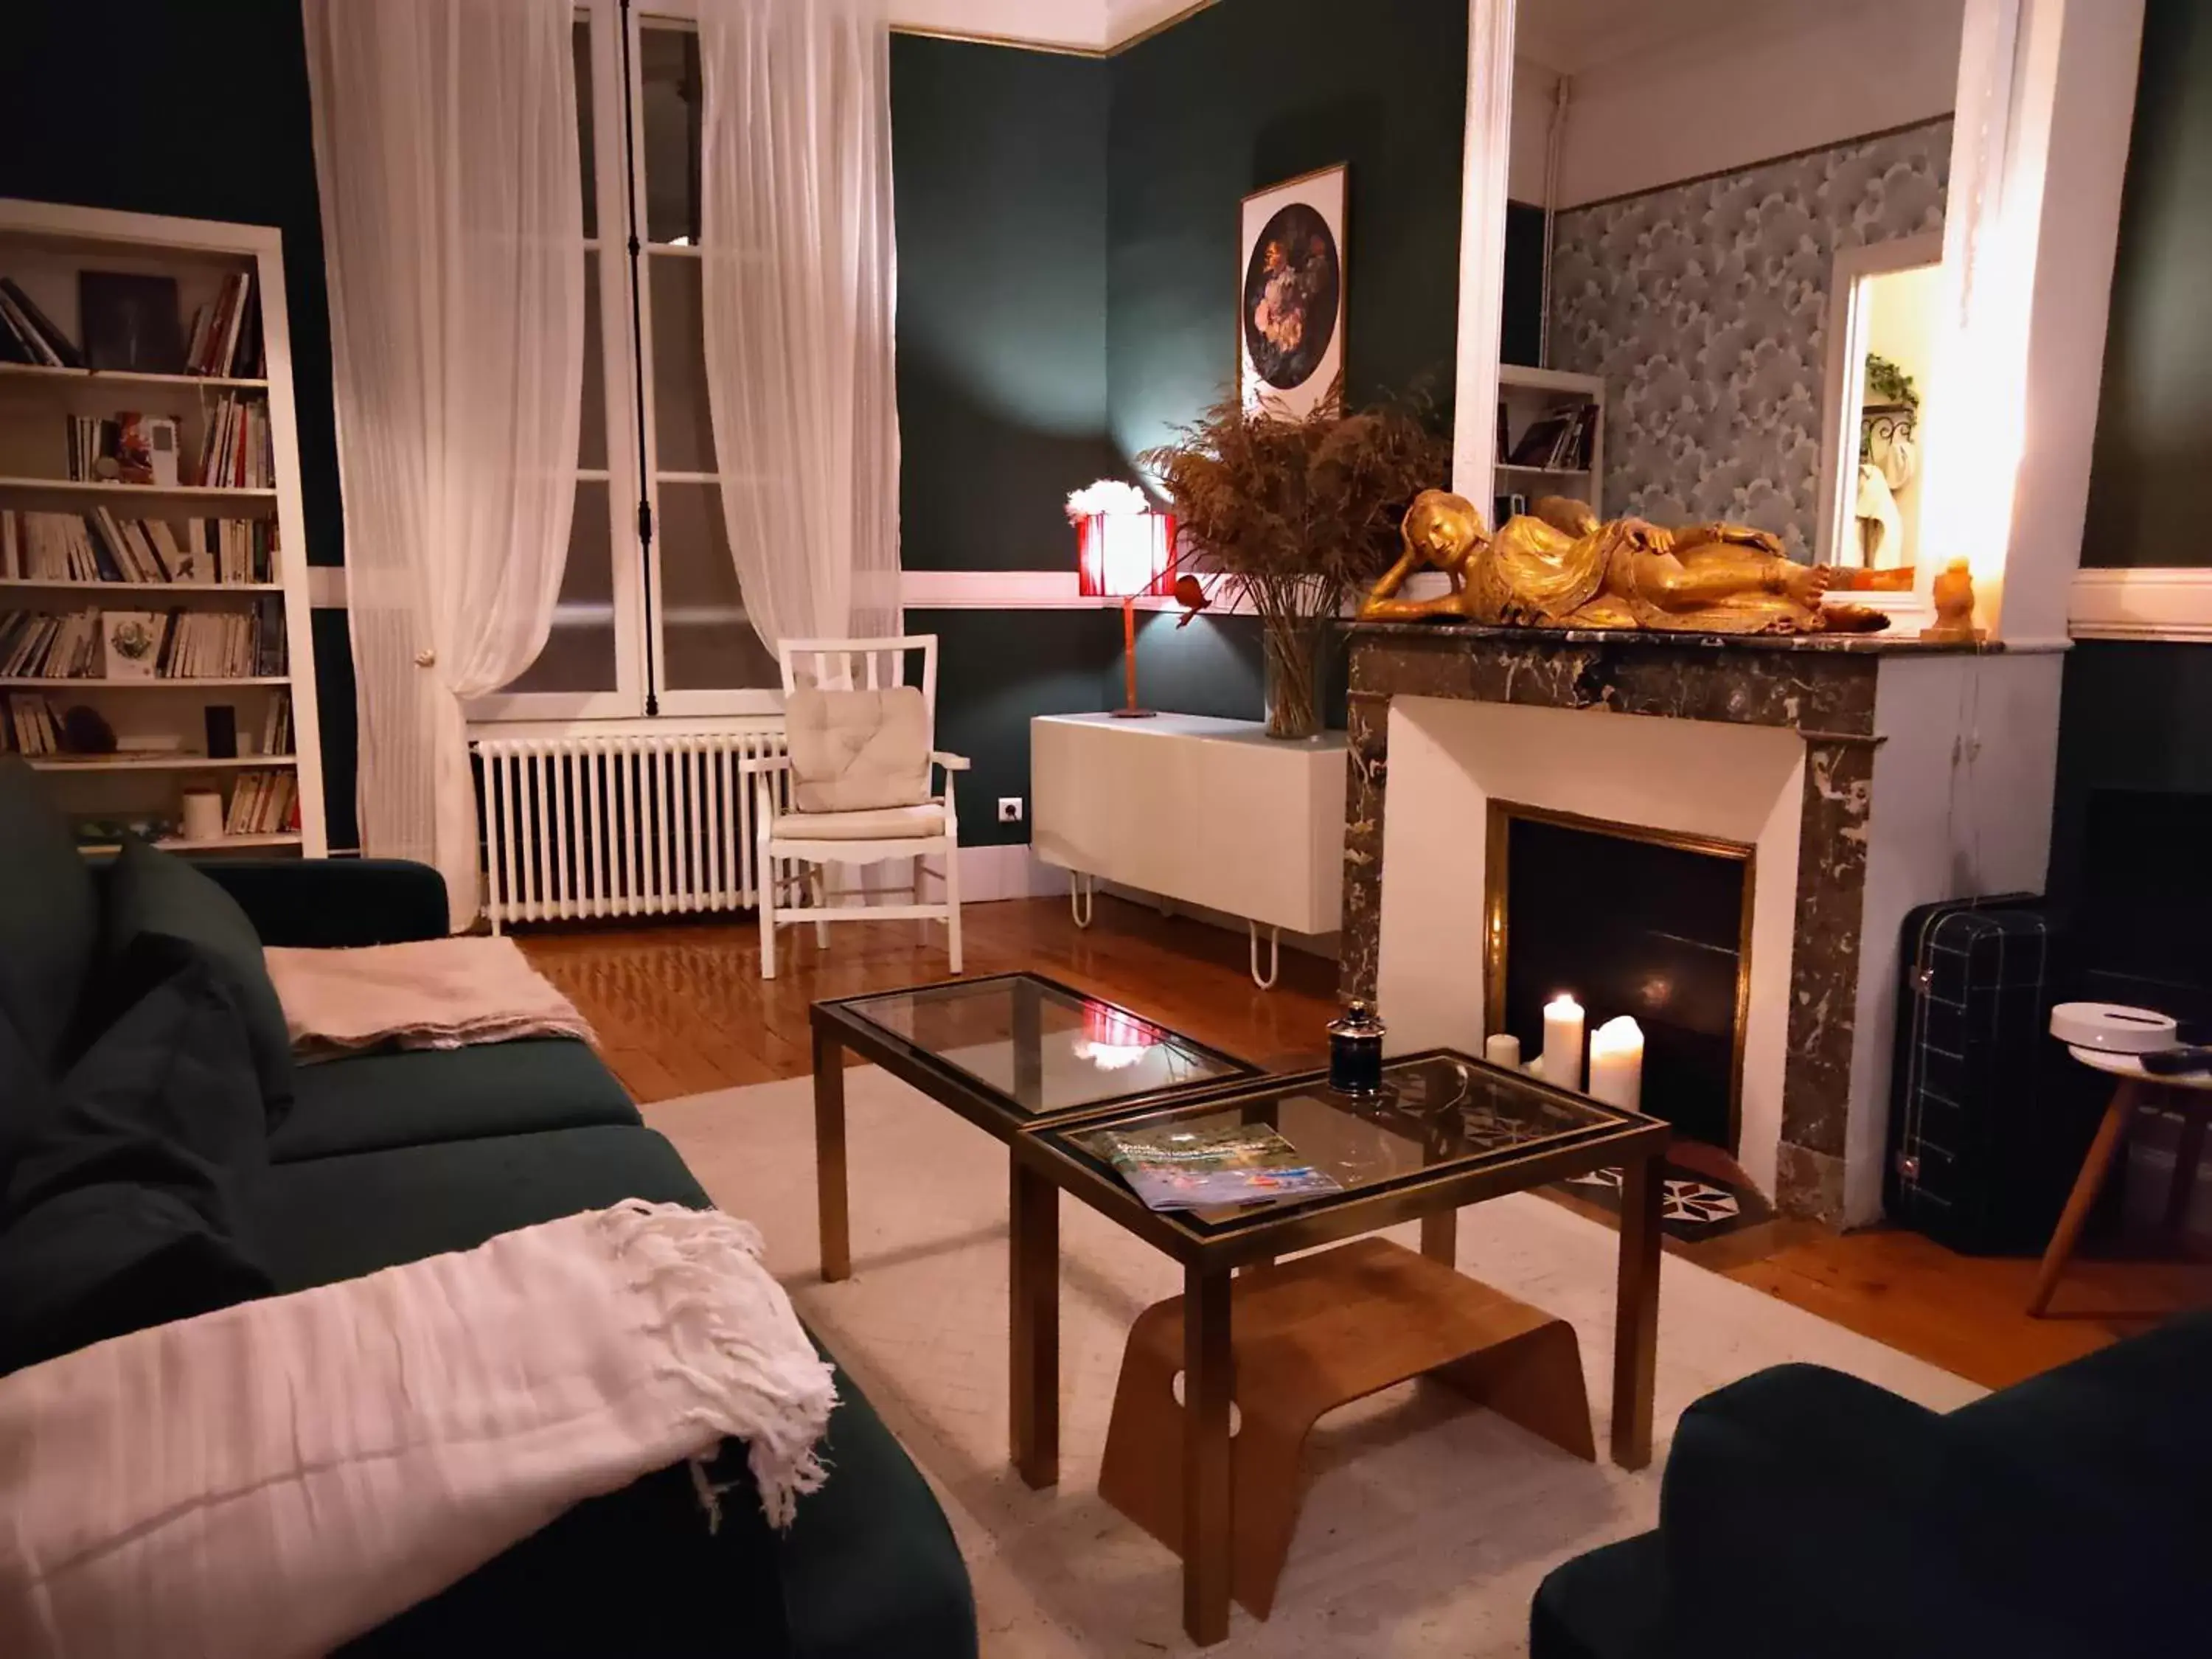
{"points": [[1823, 687]]}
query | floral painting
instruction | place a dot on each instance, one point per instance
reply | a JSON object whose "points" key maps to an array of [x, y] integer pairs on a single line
{"points": [[1291, 304]]}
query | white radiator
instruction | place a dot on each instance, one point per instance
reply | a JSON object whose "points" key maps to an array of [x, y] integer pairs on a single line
{"points": [[620, 824]]}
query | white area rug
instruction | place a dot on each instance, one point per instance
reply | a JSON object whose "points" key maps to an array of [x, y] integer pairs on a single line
{"points": [[1428, 1522]]}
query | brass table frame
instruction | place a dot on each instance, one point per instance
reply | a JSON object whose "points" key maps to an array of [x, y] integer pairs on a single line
{"points": [[1040, 1170]]}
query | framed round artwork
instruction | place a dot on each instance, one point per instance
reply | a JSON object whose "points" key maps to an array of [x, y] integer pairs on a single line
{"points": [[1291, 282]]}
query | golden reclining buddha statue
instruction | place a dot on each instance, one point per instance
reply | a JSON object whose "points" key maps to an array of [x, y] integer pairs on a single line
{"points": [[1561, 566]]}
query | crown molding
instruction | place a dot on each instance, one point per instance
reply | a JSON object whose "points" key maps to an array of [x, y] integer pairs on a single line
{"points": [[1121, 24]]}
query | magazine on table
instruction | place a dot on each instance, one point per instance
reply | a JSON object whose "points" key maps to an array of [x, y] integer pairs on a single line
{"points": [[1172, 1168]]}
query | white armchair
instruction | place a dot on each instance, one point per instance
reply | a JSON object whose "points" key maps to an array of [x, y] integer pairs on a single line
{"points": [[859, 785]]}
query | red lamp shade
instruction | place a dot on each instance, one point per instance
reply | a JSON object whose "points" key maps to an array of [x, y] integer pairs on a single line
{"points": [[1125, 556]]}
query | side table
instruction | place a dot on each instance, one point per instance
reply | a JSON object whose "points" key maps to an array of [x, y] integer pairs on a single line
{"points": [[2191, 1096]]}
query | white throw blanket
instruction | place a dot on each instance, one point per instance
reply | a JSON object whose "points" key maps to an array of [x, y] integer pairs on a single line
{"points": [[276, 1478], [427, 994]]}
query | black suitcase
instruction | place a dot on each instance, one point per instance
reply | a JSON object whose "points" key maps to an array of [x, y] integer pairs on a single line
{"points": [[1987, 1128]]}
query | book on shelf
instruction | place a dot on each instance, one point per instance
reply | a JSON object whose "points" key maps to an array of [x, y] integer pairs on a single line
{"points": [[92, 644], [29, 726], [276, 725], [32, 333], [103, 546], [236, 454], [263, 802], [1173, 1168], [226, 337]]}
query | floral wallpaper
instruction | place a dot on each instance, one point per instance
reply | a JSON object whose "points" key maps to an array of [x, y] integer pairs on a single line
{"points": [[1704, 307]]}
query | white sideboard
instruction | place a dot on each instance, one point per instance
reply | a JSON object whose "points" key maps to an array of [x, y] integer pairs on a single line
{"points": [[1213, 812]]}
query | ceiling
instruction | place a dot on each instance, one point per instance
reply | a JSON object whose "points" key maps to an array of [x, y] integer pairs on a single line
{"points": [[1573, 36]]}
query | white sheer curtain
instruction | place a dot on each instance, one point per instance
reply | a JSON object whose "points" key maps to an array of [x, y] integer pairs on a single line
{"points": [[452, 230], [795, 222]]}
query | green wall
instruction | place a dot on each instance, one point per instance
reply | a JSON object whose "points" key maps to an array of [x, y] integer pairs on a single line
{"points": [[1241, 96], [2154, 451], [2136, 722]]}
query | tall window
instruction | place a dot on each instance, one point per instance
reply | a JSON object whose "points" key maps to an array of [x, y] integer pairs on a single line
{"points": [[642, 622]]}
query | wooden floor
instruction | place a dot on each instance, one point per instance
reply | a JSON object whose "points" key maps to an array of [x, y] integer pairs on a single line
{"points": [[681, 1009]]}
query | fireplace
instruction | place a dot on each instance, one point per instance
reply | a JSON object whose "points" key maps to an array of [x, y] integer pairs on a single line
{"points": [[1868, 775], [1632, 920]]}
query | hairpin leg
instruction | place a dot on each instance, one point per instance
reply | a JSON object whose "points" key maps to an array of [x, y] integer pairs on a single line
{"points": [[1082, 897], [1274, 955]]}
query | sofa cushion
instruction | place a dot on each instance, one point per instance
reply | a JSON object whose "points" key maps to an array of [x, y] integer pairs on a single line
{"points": [[1604, 1604], [366, 1102], [853, 752], [122, 1209], [150, 892], [49, 924], [326, 1219]]}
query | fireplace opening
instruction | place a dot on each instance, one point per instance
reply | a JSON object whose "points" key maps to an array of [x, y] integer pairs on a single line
{"points": [[1628, 921]]}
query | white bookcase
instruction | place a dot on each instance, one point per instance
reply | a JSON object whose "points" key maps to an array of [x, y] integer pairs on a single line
{"points": [[43, 247], [1529, 395]]}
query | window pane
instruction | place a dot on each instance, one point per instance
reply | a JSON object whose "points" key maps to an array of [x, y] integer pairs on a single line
{"points": [[581, 38], [669, 105], [580, 652], [592, 431], [706, 643], [683, 429]]}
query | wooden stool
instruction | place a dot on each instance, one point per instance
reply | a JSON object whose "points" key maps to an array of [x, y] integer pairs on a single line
{"points": [[1307, 1336], [2191, 1096]]}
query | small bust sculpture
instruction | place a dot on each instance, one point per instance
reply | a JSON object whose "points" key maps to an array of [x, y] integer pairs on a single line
{"points": [[1561, 566]]}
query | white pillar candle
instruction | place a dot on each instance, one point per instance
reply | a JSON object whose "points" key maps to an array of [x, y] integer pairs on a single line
{"points": [[1562, 1043], [1616, 1063], [1503, 1049]]}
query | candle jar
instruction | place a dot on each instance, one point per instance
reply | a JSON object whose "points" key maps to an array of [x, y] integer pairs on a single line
{"points": [[1355, 1051]]}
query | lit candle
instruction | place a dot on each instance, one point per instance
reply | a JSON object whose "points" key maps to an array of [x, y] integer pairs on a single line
{"points": [[1616, 1063], [1562, 1043], [1504, 1049]]}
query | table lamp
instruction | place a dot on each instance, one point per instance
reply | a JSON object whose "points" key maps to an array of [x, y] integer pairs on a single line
{"points": [[1124, 549]]}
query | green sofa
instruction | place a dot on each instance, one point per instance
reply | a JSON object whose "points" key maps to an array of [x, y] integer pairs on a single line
{"points": [[1808, 1514], [382, 1159]]}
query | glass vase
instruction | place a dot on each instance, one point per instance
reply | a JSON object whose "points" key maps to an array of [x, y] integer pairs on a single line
{"points": [[1291, 657]]}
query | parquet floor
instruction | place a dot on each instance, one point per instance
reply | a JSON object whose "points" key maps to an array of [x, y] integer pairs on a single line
{"points": [[681, 1009]]}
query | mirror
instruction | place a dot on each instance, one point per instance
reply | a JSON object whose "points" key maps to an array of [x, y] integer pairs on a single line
{"points": [[1718, 208]]}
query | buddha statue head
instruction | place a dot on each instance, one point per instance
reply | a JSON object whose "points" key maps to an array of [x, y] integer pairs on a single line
{"points": [[1441, 529]]}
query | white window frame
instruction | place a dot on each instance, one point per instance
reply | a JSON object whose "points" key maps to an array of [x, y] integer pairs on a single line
{"points": [[635, 583]]}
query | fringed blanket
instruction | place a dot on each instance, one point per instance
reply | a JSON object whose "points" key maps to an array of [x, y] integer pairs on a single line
{"points": [[276, 1478], [428, 994]]}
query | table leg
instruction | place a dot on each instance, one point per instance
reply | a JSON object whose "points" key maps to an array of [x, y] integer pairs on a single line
{"points": [[1440, 1238], [2083, 1199], [1033, 1330], [1207, 1385], [829, 1158], [2188, 1154], [1635, 1309]]}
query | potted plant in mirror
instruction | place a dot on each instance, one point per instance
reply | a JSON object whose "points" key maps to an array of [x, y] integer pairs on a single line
{"points": [[1294, 517]]}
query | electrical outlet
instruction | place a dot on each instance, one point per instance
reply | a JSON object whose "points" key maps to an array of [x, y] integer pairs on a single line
{"points": [[1010, 809]]}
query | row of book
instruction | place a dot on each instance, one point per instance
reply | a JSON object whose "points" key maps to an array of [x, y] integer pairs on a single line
{"points": [[263, 803], [29, 727], [130, 322], [142, 645], [226, 332], [27, 335], [1558, 442], [101, 546], [236, 453]]}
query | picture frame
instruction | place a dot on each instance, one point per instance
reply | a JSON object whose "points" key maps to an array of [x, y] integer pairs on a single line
{"points": [[1291, 282]]}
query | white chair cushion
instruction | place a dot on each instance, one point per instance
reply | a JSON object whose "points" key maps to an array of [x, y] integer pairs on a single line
{"points": [[881, 823], [856, 751]]}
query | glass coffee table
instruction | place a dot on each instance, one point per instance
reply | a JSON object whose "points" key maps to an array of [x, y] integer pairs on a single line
{"points": [[1046, 1069]]}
